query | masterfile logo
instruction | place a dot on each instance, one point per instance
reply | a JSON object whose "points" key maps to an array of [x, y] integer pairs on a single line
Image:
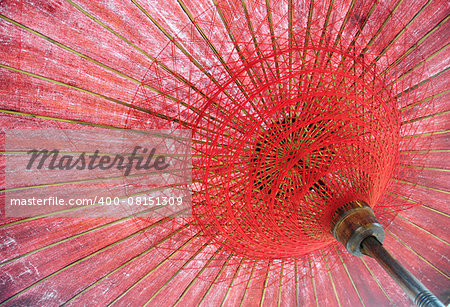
{"points": [[97, 172], [83, 161]]}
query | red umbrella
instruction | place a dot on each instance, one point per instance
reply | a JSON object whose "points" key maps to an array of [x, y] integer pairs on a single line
{"points": [[226, 69]]}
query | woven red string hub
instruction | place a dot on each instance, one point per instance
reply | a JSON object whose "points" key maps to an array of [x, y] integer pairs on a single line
{"points": [[291, 135]]}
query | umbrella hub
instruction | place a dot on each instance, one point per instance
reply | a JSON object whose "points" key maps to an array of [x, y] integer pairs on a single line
{"points": [[354, 222]]}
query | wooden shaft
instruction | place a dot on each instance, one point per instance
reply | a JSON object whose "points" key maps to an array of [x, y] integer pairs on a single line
{"points": [[412, 287], [355, 226]]}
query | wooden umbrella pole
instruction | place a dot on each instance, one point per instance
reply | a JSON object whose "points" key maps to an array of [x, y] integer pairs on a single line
{"points": [[412, 287], [355, 226]]}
